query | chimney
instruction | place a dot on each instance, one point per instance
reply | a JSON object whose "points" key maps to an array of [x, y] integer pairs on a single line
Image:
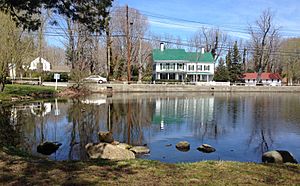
{"points": [[202, 50], [162, 47]]}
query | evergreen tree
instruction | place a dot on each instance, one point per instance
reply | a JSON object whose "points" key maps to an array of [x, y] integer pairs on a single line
{"points": [[228, 59], [221, 74], [234, 64], [91, 13]]}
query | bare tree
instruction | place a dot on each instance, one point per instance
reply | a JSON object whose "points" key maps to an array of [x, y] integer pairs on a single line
{"points": [[265, 42], [140, 51], [15, 48], [212, 40]]}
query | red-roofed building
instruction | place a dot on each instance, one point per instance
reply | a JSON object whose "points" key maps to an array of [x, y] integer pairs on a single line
{"points": [[268, 79]]}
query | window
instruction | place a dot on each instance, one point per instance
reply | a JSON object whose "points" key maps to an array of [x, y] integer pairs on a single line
{"points": [[180, 66], [199, 67], [164, 66], [206, 67], [163, 76], [161, 66], [172, 66], [191, 67], [171, 76]]}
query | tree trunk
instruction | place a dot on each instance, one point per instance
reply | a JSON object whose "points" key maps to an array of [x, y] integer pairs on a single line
{"points": [[2, 83]]}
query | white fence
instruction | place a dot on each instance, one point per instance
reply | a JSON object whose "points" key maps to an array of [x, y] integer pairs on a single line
{"points": [[212, 83]]}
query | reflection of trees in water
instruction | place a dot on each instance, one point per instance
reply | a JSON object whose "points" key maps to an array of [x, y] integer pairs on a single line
{"points": [[9, 132], [290, 109], [130, 117], [263, 127], [85, 121]]}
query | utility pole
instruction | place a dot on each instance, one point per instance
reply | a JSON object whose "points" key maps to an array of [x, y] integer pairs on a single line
{"points": [[140, 60], [128, 46], [108, 48]]}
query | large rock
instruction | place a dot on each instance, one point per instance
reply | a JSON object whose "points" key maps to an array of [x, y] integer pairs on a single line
{"points": [[124, 146], [206, 148], [140, 150], [278, 156], [48, 147], [108, 151], [183, 146], [106, 137]]}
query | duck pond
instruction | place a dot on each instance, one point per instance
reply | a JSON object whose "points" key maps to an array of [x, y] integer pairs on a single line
{"points": [[240, 126]]}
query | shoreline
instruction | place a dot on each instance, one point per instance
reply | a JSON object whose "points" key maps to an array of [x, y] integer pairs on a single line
{"points": [[21, 168], [144, 88]]}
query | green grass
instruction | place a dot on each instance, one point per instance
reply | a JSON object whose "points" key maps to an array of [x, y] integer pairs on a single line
{"points": [[26, 170], [24, 90]]}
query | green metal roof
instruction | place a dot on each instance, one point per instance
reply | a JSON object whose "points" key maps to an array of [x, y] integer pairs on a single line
{"points": [[181, 54]]}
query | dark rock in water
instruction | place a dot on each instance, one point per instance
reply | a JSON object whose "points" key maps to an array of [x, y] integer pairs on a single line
{"points": [[183, 146], [48, 148], [278, 156], [206, 148], [106, 137], [168, 145]]}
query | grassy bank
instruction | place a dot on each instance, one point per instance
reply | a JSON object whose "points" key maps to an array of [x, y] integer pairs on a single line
{"points": [[22, 170], [20, 92]]}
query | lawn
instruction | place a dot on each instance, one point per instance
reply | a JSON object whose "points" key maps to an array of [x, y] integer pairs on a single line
{"points": [[22, 170], [18, 91]]}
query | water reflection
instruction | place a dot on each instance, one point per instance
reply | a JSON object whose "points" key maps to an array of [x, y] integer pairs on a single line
{"points": [[240, 126]]}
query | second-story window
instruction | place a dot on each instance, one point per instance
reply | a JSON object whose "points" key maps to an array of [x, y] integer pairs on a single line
{"points": [[199, 67], [172, 66], [206, 67], [168, 66], [191, 67]]}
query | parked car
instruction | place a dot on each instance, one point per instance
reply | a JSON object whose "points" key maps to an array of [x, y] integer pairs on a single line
{"points": [[96, 78]]}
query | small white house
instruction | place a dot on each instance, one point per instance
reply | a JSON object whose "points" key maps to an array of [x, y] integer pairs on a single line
{"points": [[45, 64], [267, 79]]}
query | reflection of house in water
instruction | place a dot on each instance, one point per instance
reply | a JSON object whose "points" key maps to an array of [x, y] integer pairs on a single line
{"points": [[97, 99], [177, 110], [40, 109]]}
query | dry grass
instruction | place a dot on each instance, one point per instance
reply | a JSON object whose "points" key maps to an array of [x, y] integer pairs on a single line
{"points": [[21, 170]]}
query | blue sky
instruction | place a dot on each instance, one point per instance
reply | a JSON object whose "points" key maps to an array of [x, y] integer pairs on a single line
{"points": [[231, 16], [228, 15]]}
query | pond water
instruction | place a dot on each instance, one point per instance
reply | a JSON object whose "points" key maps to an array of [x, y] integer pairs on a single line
{"points": [[241, 126]]}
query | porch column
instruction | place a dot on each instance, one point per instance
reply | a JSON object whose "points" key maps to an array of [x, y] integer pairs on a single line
{"points": [[158, 75], [168, 76], [176, 76]]}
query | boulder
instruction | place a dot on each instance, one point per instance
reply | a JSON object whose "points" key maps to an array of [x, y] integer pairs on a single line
{"points": [[108, 151], [140, 150], [206, 148], [115, 143], [278, 156], [183, 146], [106, 137], [124, 146], [48, 147]]}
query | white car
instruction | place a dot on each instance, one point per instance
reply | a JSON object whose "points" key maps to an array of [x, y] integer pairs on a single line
{"points": [[96, 78]]}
